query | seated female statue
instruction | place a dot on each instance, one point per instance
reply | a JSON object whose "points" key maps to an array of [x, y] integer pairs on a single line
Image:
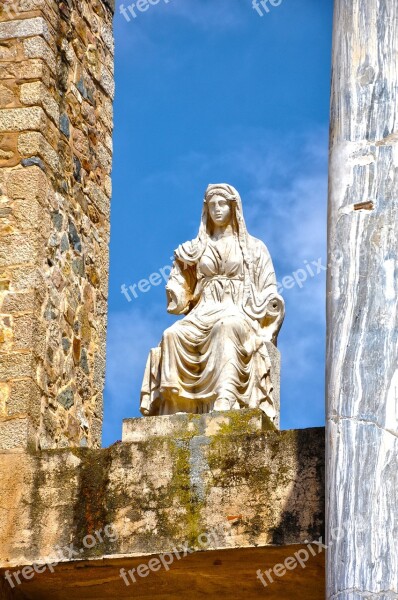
{"points": [[216, 357]]}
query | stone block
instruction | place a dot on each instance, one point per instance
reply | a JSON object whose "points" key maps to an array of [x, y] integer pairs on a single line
{"points": [[16, 364], [104, 158], [237, 421], [17, 249], [14, 433], [20, 119], [37, 47], [66, 398], [36, 93], [24, 28], [28, 217], [24, 398], [98, 198], [107, 36], [35, 144], [24, 277], [16, 302], [28, 183], [108, 83], [26, 333], [34, 69]]}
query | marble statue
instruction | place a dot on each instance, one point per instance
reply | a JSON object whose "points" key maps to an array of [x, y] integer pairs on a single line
{"points": [[223, 281]]}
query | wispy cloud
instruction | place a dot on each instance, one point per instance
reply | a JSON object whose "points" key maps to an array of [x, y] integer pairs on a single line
{"points": [[207, 14]]}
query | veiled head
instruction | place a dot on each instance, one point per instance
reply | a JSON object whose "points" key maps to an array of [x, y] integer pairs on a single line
{"points": [[220, 200], [220, 210]]}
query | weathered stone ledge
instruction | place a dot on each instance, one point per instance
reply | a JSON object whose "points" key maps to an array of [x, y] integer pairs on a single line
{"points": [[258, 488]]}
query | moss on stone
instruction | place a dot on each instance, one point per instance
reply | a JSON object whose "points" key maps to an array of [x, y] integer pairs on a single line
{"points": [[92, 511], [182, 489]]}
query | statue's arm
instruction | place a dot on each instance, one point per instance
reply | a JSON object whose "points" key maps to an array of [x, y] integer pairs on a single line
{"points": [[180, 288], [264, 303]]}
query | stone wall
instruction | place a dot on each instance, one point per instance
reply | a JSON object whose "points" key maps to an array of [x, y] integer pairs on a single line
{"points": [[56, 91], [230, 473], [240, 495]]}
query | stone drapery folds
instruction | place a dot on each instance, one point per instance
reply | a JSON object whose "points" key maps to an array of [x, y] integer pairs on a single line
{"points": [[223, 281]]}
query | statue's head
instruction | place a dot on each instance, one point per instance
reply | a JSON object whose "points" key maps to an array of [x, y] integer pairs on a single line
{"points": [[221, 200]]}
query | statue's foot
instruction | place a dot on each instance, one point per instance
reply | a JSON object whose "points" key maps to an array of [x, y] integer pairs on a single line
{"points": [[222, 404]]}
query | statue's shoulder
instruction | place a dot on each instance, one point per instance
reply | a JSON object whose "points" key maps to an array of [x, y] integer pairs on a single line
{"points": [[257, 247], [187, 252]]}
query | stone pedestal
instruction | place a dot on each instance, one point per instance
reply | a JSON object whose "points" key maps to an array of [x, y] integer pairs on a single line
{"points": [[239, 494], [275, 357], [188, 425]]}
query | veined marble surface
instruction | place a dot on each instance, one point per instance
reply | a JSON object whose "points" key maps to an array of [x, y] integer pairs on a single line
{"points": [[362, 304]]}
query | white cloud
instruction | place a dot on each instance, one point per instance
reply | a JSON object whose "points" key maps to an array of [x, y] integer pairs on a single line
{"points": [[208, 14]]}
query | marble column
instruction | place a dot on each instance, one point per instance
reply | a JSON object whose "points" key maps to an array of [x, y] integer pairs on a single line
{"points": [[362, 304]]}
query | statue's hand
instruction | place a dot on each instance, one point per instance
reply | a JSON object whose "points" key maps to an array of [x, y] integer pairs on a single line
{"points": [[275, 306], [273, 319], [176, 305]]}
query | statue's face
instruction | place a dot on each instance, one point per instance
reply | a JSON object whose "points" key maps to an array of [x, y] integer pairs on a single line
{"points": [[220, 210]]}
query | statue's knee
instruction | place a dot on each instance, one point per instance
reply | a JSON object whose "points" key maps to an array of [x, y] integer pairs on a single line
{"points": [[227, 324], [167, 333], [170, 332]]}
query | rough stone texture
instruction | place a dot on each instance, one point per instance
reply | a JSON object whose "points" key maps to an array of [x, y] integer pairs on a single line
{"points": [[362, 354], [24, 28], [267, 484], [141, 430], [255, 487], [56, 75], [275, 357]]}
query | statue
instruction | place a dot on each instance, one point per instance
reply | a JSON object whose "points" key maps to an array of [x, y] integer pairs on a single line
{"points": [[223, 281]]}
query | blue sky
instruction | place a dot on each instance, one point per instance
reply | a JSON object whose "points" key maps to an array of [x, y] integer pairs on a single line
{"points": [[209, 91]]}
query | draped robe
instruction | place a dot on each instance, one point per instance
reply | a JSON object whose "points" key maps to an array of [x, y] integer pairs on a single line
{"points": [[229, 295]]}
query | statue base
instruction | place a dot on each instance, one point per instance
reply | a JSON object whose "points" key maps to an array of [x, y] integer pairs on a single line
{"points": [[245, 421]]}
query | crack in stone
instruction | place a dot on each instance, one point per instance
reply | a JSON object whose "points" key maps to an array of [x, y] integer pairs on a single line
{"points": [[336, 419]]}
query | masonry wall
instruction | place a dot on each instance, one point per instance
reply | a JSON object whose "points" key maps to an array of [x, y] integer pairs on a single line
{"points": [[255, 488], [56, 91], [228, 492]]}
